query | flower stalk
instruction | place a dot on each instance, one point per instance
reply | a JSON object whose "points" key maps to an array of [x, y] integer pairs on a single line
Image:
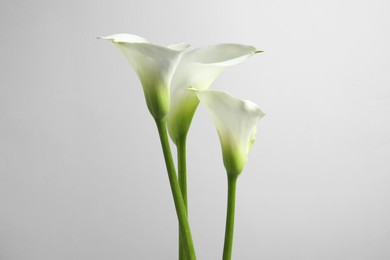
{"points": [[182, 178], [185, 232], [229, 229]]}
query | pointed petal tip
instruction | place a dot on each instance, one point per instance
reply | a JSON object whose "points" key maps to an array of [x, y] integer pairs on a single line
{"points": [[258, 51], [103, 38], [261, 113], [124, 38], [110, 37]]}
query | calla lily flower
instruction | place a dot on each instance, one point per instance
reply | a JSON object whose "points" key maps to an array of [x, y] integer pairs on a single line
{"points": [[235, 121], [198, 69], [155, 66]]}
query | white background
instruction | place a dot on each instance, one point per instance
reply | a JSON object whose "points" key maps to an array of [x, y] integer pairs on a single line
{"points": [[81, 170]]}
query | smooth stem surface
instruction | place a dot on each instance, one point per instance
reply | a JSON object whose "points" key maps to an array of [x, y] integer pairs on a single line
{"points": [[182, 168], [175, 188], [182, 176], [231, 203]]}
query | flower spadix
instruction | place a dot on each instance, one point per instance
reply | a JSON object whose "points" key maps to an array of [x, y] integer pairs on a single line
{"points": [[235, 121], [154, 65], [198, 69]]}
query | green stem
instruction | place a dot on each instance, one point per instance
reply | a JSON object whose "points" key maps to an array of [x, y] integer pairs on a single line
{"points": [[177, 196], [228, 245], [182, 177], [182, 167]]}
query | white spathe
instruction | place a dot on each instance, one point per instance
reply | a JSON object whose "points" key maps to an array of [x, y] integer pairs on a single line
{"points": [[235, 121], [198, 68], [155, 66]]}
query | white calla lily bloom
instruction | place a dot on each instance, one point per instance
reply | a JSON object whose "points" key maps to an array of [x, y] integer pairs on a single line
{"points": [[155, 66], [235, 121], [198, 69]]}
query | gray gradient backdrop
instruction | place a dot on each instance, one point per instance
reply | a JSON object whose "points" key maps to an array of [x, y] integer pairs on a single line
{"points": [[81, 170]]}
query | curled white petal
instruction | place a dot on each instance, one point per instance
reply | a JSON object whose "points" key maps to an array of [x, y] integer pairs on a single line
{"points": [[225, 54], [198, 69], [235, 121], [154, 64]]}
